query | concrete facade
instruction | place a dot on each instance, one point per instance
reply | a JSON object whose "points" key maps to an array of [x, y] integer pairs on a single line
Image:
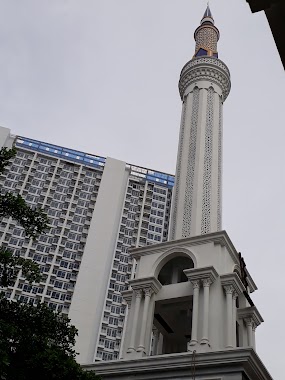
{"points": [[204, 85], [97, 208], [238, 364], [216, 323]]}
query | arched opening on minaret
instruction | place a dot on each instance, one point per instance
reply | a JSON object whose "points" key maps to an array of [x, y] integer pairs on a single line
{"points": [[172, 271]]}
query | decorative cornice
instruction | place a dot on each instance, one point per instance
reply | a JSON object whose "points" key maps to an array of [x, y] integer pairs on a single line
{"points": [[209, 60], [203, 274], [150, 283], [232, 279], [205, 68], [217, 363], [250, 313], [220, 237], [127, 296]]}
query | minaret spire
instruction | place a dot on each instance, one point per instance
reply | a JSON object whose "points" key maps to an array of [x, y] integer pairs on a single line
{"points": [[204, 85], [206, 36], [208, 12]]}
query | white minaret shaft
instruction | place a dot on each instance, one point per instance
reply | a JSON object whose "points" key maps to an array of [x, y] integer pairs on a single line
{"points": [[204, 85]]}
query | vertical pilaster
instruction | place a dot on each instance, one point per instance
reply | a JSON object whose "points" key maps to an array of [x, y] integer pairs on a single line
{"points": [[138, 297], [234, 314], [195, 312], [229, 298], [147, 295], [205, 276], [206, 286], [249, 325], [253, 335]]}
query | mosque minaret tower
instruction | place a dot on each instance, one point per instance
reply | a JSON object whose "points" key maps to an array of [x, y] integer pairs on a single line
{"points": [[204, 86], [189, 308]]}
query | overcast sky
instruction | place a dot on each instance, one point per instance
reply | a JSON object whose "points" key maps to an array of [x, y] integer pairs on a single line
{"points": [[101, 76]]}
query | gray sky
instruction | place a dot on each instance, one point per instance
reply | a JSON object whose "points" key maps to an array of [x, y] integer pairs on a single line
{"points": [[101, 76]]}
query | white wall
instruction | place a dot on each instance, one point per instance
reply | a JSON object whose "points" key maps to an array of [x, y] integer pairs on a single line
{"points": [[5, 138], [90, 291]]}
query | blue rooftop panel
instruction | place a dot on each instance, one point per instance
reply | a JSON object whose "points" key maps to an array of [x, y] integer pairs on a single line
{"points": [[60, 152]]}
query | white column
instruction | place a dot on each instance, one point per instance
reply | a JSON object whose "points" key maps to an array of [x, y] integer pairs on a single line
{"points": [[155, 341], [129, 303], [138, 294], [195, 311], [206, 286], [229, 296], [253, 335], [249, 323], [147, 294], [235, 296]]}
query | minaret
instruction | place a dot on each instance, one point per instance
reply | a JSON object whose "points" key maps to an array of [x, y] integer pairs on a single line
{"points": [[189, 309], [204, 86]]}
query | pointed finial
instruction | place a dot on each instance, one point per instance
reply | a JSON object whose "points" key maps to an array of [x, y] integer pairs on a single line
{"points": [[207, 14]]}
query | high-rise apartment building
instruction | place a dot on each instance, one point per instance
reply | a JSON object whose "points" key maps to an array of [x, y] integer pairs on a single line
{"points": [[97, 208]]}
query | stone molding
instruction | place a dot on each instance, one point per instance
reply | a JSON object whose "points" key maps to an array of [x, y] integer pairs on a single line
{"points": [[233, 280], [210, 60], [138, 293], [202, 274], [148, 292], [250, 314], [209, 365], [205, 68], [147, 283], [220, 237], [127, 296]]}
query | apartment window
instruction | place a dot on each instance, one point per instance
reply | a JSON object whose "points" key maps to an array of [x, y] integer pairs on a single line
{"points": [[87, 188], [75, 227], [113, 321], [85, 196], [82, 203], [131, 216], [80, 211], [39, 175], [17, 242], [71, 245], [18, 232], [117, 299], [9, 184], [106, 356], [111, 332], [64, 264], [12, 176], [109, 344], [115, 309], [34, 190]]}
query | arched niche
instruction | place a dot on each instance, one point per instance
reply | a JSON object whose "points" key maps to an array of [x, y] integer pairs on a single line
{"points": [[179, 258], [236, 269], [172, 271]]}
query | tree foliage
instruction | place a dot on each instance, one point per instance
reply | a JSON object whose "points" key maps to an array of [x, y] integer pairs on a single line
{"points": [[37, 343], [34, 222], [10, 265]]}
